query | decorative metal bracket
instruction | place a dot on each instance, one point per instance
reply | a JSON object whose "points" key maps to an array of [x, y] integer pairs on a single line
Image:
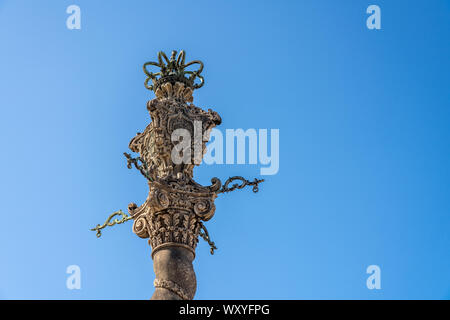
{"points": [[244, 183], [109, 223], [143, 168]]}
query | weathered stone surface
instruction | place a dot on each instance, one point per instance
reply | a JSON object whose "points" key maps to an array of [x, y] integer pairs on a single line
{"points": [[173, 214], [175, 276]]}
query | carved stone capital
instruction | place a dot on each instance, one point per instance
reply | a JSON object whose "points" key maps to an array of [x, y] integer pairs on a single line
{"points": [[173, 213]]}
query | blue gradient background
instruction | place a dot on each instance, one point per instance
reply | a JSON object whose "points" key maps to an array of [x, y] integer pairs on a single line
{"points": [[364, 119]]}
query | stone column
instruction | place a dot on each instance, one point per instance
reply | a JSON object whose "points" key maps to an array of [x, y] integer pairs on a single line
{"points": [[172, 215], [170, 146], [175, 276]]}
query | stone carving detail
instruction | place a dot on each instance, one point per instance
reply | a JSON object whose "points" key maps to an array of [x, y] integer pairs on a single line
{"points": [[176, 205], [173, 213], [155, 143], [179, 92], [172, 216]]}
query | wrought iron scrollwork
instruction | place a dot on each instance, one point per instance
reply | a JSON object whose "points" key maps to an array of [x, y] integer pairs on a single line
{"points": [[205, 236], [143, 167], [109, 223], [243, 183]]}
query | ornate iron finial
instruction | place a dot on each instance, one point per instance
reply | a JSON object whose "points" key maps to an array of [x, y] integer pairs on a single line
{"points": [[173, 70]]}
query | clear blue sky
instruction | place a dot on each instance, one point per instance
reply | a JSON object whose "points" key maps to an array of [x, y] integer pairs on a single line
{"points": [[364, 119]]}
